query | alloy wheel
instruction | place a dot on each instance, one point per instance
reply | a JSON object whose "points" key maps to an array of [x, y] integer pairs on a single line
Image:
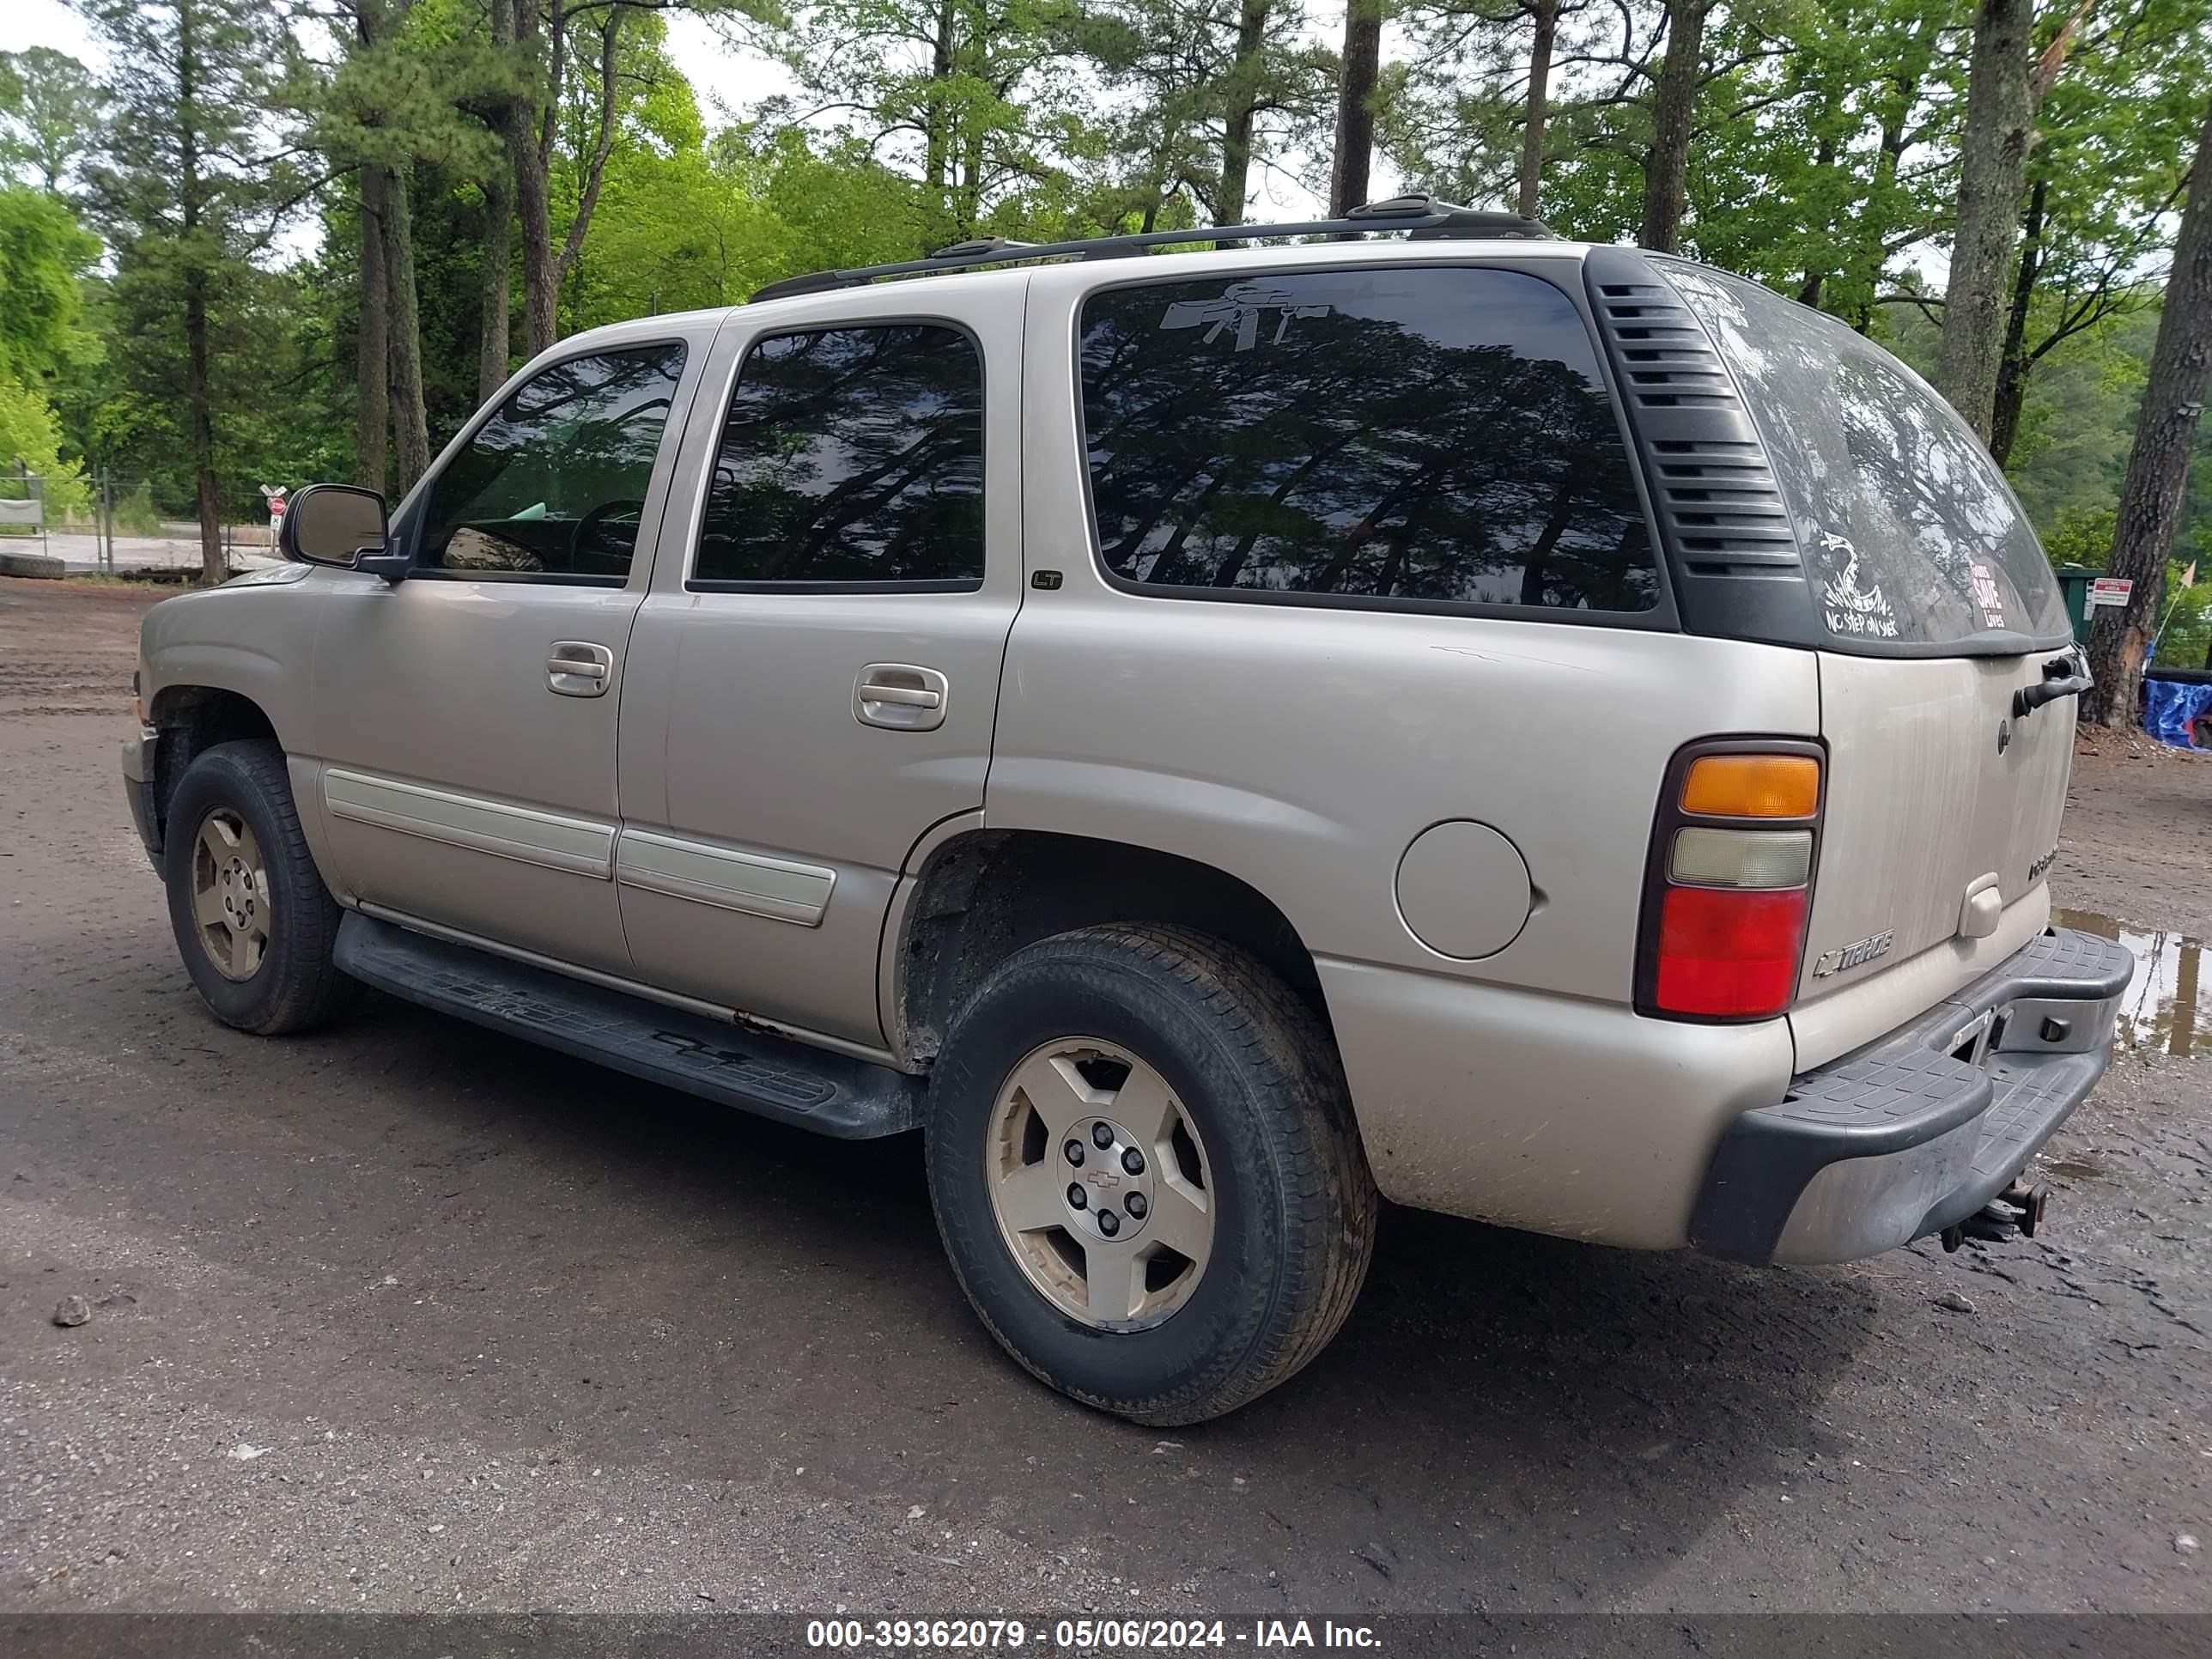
{"points": [[1100, 1184], [230, 895]]}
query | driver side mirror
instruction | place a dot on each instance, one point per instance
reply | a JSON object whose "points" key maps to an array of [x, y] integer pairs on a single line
{"points": [[342, 525]]}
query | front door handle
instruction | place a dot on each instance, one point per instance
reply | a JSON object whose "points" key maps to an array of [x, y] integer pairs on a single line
{"points": [[577, 668], [900, 696]]}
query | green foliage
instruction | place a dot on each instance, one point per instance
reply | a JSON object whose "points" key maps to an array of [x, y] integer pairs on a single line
{"points": [[2082, 536], [1180, 74], [967, 97], [2113, 136], [44, 252], [135, 512], [51, 111], [1824, 165], [401, 94], [31, 435]]}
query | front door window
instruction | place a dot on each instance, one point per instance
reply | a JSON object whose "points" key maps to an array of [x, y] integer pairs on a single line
{"points": [[551, 487]]}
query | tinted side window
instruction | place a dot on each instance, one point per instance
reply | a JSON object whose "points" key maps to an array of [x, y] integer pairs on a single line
{"points": [[1907, 525], [1421, 433], [851, 455], [553, 484]]}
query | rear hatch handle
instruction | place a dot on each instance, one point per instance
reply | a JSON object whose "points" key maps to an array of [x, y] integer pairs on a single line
{"points": [[2063, 676]]}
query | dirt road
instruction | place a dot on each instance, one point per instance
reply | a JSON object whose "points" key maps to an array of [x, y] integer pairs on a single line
{"points": [[410, 1317]]}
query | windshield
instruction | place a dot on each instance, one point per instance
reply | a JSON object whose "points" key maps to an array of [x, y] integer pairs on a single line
{"points": [[1907, 526]]}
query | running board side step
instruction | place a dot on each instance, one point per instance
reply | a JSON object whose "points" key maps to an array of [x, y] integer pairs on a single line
{"points": [[755, 1071]]}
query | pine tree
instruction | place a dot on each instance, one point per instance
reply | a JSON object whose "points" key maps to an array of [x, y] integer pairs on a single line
{"points": [[185, 199], [1992, 173]]}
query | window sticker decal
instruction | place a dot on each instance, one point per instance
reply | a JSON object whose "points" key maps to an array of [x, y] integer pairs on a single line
{"points": [[1987, 594], [1851, 608], [1241, 306]]}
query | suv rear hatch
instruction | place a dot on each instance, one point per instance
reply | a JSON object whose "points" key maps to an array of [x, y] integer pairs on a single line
{"points": [[1947, 667]]}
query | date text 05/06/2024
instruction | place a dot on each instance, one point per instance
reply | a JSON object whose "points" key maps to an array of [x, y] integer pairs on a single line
{"points": [[1084, 1635]]}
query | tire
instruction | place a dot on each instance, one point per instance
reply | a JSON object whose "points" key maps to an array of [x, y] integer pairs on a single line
{"points": [[41, 567], [240, 794], [1254, 1080]]}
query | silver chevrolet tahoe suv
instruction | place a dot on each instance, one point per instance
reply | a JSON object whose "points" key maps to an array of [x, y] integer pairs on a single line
{"points": [[1545, 732]]}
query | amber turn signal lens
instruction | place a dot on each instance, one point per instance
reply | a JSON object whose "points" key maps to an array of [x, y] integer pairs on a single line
{"points": [[1752, 786]]}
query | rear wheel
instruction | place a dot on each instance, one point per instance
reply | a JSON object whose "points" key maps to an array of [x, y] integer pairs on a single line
{"points": [[1146, 1173], [253, 921]]}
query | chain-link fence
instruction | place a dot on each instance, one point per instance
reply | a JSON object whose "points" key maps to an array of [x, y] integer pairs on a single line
{"points": [[120, 524]]}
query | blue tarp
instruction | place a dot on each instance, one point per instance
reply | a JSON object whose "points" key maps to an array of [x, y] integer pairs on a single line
{"points": [[2168, 710]]}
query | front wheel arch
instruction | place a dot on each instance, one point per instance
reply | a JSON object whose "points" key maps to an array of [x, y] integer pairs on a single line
{"points": [[191, 719]]}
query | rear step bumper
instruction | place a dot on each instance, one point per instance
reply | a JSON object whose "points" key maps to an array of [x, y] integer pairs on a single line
{"points": [[1918, 1132]]}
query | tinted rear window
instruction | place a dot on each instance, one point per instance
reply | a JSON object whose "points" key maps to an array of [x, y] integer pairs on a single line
{"points": [[1419, 434], [850, 456], [1908, 526]]}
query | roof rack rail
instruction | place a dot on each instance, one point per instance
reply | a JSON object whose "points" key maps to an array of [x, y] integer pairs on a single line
{"points": [[1421, 216]]}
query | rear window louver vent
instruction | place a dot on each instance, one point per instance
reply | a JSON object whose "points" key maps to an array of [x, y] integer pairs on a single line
{"points": [[1717, 499]]}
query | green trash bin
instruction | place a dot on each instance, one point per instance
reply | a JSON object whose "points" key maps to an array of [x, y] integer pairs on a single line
{"points": [[2074, 581]]}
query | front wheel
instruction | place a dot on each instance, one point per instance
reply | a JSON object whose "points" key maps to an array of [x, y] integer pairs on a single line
{"points": [[1146, 1173], [253, 921]]}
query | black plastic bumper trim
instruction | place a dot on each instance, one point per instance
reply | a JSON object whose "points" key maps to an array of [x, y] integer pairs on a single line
{"points": [[1907, 1089], [138, 754]]}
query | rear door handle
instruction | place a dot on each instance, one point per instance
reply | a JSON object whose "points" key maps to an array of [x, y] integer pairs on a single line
{"points": [[2063, 676], [577, 668], [900, 696]]}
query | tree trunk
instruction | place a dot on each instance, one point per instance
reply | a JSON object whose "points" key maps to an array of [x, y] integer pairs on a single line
{"points": [[2158, 466], [1992, 171], [371, 370], [595, 169], [1901, 90], [2014, 363], [1539, 91], [213, 567], [967, 195], [409, 421], [498, 287], [1674, 115], [198, 393], [1237, 117], [514, 25], [1355, 105], [533, 208], [936, 141]]}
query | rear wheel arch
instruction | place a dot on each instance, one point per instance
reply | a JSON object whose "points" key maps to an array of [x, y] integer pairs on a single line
{"points": [[985, 894]]}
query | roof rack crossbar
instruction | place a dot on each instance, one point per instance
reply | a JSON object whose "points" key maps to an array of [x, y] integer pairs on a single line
{"points": [[1423, 216]]}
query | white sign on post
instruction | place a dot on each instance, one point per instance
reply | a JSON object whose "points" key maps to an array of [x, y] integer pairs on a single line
{"points": [[2110, 590]]}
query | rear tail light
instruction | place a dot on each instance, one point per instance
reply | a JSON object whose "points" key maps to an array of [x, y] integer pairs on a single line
{"points": [[1729, 879], [1751, 786]]}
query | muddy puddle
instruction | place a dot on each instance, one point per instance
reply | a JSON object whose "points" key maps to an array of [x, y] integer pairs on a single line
{"points": [[2168, 1004]]}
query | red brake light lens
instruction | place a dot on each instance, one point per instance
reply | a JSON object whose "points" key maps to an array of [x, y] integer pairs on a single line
{"points": [[1728, 890], [1726, 953]]}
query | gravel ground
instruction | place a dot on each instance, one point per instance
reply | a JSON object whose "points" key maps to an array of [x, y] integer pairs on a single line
{"points": [[407, 1317]]}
